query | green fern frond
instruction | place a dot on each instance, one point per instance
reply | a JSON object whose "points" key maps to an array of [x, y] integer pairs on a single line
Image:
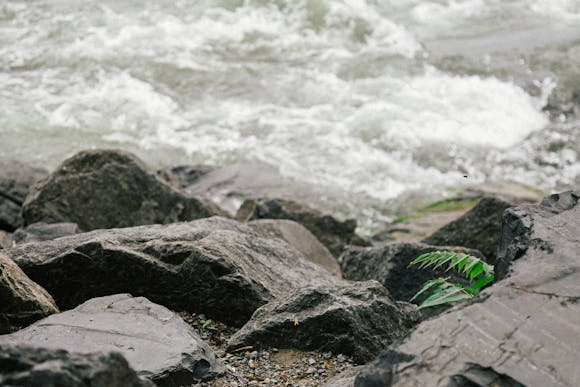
{"points": [[477, 272]]}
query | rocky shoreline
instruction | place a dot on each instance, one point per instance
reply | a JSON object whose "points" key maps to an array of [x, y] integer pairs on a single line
{"points": [[116, 275]]}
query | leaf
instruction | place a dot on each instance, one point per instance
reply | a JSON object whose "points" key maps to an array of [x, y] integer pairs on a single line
{"points": [[428, 285], [449, 294], [206, 324]]}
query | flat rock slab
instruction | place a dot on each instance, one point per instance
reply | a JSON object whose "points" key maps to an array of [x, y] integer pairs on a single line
{"points": [[101, 189], [32, 366], [389, 265], [38, 232], [157, 343], [15, 180], [215, 266], [22, 301], [524, 330], [357, 320]]}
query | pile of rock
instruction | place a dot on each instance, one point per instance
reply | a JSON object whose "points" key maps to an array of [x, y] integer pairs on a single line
{"points": [[126, 253]]}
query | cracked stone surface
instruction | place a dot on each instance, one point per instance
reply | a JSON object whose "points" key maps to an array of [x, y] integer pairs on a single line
{"points": [[524, 330], [156, 342]]}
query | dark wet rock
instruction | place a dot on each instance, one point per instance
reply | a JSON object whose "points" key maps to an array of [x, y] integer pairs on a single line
{"points": [[381, 372], [300, 238], [334, 234], [28, 366], [184, 176], [15, 180], [38, 232], [101, 189], [215, 266], [22, 301], [389, 266], [479, 228], [5, 240], [156, 342], [357, 320], [523, 330]]}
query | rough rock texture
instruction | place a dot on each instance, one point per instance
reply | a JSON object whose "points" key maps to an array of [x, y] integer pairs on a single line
{"points": [[22, 365], [101, 189], [215, 266], [334, 234], [184, 176], [15, 180], [388, 265], [300, 238], [21, 301], [525, 329], [5, 240], [157, 343], [358, 320], [479, 228], [38, 232]]}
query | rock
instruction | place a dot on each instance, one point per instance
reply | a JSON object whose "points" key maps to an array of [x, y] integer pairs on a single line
{"points": [[523, 330], [479, 228], [300, 238], [15, 180], [31, 366], [215, 266], [388, 265], [101, 189], [21, 301], [5, 240], [156, 342], [38, 232], [358, 320], [334, 234]]}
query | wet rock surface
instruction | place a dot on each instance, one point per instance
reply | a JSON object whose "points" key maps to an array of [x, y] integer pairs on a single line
{"points": [[33, 366], [156, 342], [38, 232], [524, 330], [109, 188], [334, 234], [357, 320], [15, 180], [215, 266], [389, 266], [22, 301], [479, 228]]}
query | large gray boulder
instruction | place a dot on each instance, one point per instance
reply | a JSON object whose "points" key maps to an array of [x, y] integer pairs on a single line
{"points": [[15, 180], [358, 320], [479, 228], [101, 189], [333, 233], [215, 266], [156, 342], [22, 365], [524, 330], [389, 265], [22, 301]]}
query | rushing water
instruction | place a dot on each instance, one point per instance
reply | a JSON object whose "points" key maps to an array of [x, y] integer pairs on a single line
{"points": [[375, 99]]}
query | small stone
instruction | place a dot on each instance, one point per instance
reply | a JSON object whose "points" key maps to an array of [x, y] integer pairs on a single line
{"points": [[311, 361], [311, 370], [252, 364], [253, 355]]}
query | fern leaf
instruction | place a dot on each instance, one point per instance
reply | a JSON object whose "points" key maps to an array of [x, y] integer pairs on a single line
{"points": [[445, 294], [428, 285]]}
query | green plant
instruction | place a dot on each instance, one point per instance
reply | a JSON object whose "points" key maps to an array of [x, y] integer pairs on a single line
{"points": [[206, 324], [440, 291]]}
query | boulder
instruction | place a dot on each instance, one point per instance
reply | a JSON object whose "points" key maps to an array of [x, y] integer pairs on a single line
{"points": [[21, 300], [522, 331], [357, 320], [389, 266], [184, 176], [300, 238], [15, 180], [38, 232], [215, 266], [22, 365], [101, 189], [156, 342], [334, 234], [479, 228]]}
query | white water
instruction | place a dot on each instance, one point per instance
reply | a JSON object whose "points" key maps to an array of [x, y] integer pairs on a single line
{"points": [[374, 99]]}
